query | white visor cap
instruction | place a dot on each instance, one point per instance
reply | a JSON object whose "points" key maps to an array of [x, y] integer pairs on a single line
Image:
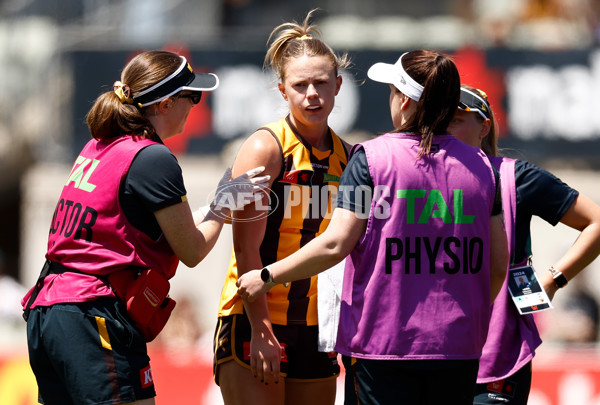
{"points": [[396, 75]]}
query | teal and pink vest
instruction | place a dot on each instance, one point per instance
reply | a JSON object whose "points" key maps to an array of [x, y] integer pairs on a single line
{"points": [[89, 232], [512, 338], [417, 285]]}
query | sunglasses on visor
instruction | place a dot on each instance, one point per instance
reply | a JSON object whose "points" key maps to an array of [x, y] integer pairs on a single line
{"points": [[194, 97]]}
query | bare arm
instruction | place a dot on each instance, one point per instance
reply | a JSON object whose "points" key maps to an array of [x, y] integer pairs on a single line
{"points": [[248, 233], [329, 248], [192, 236], [583, 215], [191, 244]]}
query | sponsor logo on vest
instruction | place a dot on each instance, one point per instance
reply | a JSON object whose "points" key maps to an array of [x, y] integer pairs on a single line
{"points": [[146, 377], [434, 199], [376, 202], [81, 173]]}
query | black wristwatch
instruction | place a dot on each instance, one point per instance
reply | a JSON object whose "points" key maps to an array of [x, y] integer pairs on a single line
{"points": [[559, 279], [267, 277]]}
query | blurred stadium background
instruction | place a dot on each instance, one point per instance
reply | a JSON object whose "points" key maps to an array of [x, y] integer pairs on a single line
{"points": [[539, 61]]}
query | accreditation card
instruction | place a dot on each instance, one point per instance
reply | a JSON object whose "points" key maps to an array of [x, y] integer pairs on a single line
{"points": [[527, 293]]}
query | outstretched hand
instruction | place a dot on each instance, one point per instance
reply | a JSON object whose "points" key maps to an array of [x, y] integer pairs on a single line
{"points": [[251, 286], [236, 193]]}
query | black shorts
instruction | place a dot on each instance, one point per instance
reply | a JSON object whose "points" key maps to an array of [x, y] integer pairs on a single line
{"points": [[300, 361], [88, 353], [513, 390], [350, 395], [408, 382]]}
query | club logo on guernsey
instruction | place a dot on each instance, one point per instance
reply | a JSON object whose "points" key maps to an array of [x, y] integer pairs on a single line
{"points": [[300, 177], [463, 255]]}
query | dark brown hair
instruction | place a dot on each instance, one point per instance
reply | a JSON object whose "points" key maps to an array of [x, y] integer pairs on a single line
{"points": [[439, 77], [110, 117]]}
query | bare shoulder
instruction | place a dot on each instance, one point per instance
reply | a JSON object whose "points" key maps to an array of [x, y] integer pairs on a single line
{"points": [[259, 149]]}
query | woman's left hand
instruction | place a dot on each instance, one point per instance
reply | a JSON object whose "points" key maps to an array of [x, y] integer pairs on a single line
{"points": [[548, 285], [242, 190], [250, 285]]}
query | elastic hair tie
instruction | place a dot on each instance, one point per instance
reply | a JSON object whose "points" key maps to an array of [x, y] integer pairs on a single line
{"points": [[123, 92], [305, 37]]}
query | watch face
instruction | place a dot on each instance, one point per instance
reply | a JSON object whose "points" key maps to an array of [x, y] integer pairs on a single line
{"points": [[265, 275], [560, 280]]}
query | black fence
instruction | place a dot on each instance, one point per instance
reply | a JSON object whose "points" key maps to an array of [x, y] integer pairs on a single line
{"points": [[547, 103]]}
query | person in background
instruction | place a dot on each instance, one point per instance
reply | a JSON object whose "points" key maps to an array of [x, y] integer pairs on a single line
{"points": [[505, 367], [266, 351], [420, 215], [123, 211]]}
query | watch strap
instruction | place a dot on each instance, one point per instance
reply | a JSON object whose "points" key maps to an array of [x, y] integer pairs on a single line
{"points": [[267, 278], [559, 279]]}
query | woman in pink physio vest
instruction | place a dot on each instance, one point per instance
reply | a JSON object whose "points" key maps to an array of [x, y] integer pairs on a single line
{"points": [[505, 367], [419, 217]]}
